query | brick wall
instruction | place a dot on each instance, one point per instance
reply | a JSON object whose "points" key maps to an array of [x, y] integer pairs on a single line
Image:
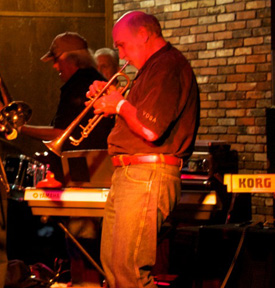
{"points": [[228, 43]]}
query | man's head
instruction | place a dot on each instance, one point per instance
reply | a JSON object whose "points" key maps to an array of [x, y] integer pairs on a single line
{"points": [[69, 51], [137, 36], [107, 61]]}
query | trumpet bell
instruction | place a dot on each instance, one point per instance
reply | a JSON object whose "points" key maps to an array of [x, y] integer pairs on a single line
{"points": [[55, 145], [17, 113]]}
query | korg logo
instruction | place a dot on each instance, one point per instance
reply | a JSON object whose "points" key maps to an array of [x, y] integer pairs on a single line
{"points": [[246, 183], [255, 183]]}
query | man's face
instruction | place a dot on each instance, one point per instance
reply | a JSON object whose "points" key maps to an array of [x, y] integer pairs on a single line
{"points": [[106, 66], [130, 46], [65, 67]]}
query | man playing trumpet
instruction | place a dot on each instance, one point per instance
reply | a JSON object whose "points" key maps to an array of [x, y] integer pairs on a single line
{"points": [[154, 134]]}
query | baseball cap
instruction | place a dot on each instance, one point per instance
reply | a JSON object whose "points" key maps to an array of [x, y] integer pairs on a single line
{"points": [[65, 42]]}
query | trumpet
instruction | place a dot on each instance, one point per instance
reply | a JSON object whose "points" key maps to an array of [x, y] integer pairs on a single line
{"points": [[56, 144], [13, 116]]}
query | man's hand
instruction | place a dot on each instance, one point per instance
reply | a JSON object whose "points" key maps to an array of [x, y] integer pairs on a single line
{"points": [[107, 103]]}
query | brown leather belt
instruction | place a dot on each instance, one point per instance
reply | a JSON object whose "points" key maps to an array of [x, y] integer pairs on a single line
{"points": [[125, 160]]}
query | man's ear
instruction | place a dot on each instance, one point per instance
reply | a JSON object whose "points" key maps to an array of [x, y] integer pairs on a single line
{"points": [[143, 34]]}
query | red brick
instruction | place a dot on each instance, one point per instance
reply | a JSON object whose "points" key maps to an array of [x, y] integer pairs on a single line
{"points": [[208, 137], [235, 113], [191, 55], [198, 29], [209, 122], [217, 79], [236, 25], [233, 43], [227, 104], [235, 7], [255, 94], [264, 86], [254, 148], [236, 78], [255, 4], [254, 23], [246, 86], [259, 112], [262, 31], [256, 130], [246, 104], [205, 37], [217, 62], [245, 68], [189, 22], [256, 77], [227, 121], [253, 41], [199, 63], [261, 121], [243, 51], [216, 96], [217, 129], [223, 35], [217, 27], [216, 112], [196, 46], [243, 33], [227, 87], [226, 70], [203, 130], [178, 14], [181, 32], [246, 139], [208, 104], [262, 49], [206, 54], [233, 130], [237, 147], [236, 60], [207, 88], [263, 103], [261, 139], [246, 15], [198, 12], [237, 95], [203, 96], [228, 138], [247, 121], [208, 71], [264, 67], [256, 59]]}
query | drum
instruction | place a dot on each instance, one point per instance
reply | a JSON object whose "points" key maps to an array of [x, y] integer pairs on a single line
{"points": [[23, 171]]}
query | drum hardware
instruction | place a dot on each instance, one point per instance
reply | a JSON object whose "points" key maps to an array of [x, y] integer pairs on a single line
{"points": [[22, 172], [56, 144]]}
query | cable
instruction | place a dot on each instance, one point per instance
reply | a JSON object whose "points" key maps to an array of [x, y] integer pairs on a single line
{"points": [[236, 254]]}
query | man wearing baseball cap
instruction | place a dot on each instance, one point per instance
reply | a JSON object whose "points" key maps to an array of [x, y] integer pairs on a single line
{"points": [[75, 64], [65, 42]]}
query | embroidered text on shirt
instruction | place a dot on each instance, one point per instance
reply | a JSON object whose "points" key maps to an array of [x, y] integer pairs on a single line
{"points": [[149, 117]]}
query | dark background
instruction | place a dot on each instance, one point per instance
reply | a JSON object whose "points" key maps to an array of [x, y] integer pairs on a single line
{"points": [[27, 29]]}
